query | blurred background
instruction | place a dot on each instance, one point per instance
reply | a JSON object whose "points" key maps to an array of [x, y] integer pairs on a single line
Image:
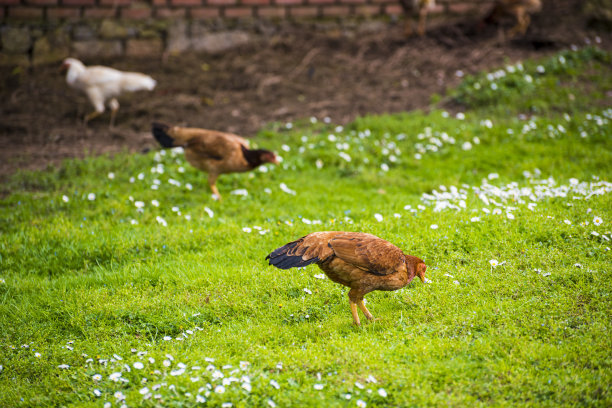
{"points": [[237, 65]]}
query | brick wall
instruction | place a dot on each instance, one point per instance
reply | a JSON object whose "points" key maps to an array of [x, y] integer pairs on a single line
{"points": [[46, 31], [46, 10]]}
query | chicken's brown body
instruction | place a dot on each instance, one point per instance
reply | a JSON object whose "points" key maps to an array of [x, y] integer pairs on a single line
{"points": [[519, 9], [360, 261], [213, 152]]}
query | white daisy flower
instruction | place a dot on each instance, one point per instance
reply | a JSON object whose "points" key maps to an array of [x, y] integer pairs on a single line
{"points": [[382, 392], [597, 221], [318, 387], [493, 263], [433, 226], [91, 196], [378, 217], [361, 404]]}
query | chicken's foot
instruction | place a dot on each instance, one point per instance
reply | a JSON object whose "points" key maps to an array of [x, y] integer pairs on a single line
{"points": [[212, 182], [365, 310]]}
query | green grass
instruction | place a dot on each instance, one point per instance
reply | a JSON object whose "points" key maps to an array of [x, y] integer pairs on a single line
{"points": [[84, 280]]}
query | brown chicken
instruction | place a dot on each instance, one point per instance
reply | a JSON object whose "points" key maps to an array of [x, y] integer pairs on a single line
{"points": [[519, 9], [213, 152], [361, 261], [412, 8]]}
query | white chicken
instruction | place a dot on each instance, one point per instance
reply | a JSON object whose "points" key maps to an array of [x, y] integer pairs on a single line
{"points": [[102, 84]]}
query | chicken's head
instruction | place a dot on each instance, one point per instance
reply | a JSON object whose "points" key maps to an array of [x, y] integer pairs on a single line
{"points": [[269, 157], [420, 271]]}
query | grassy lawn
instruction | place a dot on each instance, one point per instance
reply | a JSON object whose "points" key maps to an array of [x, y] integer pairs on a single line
{"points": [[123, 282]]}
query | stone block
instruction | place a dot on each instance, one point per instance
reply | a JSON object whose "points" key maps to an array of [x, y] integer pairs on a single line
{"points": [[144, 48], [214, 43], [111, 29], [53, 47], [16, 40], [95, 48], [84, 32], [21, 60], [178, 39]]}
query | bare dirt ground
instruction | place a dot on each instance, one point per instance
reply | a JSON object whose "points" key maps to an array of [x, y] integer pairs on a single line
{"points": [[290, 73]]}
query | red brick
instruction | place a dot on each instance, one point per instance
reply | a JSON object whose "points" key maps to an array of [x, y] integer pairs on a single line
{"points": [[203, 12], [25, 12], [63, 12], [115, 3], [385, 1], [160, 2], [271, 12], [170, 13], [190, 3], [2, 12], [336, 11], [78, 2], [394, 10], [305, 11], [283, 2], [221, 2], [99, 12], [461, 8], [320, 1], [42, 2], [9, 2], [136, 13], [238, 12], [255, 2], [367, 10], [354, 1]]}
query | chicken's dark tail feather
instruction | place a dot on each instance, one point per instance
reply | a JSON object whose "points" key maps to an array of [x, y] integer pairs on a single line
{"points": [[282, 260], [160, 132]]}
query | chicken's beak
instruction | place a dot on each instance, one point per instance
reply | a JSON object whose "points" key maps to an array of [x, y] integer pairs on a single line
{"points": [[64, 67]]}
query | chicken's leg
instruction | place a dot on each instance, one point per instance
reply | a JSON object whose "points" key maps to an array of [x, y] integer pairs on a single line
{"points": [[114, 106], [356, 321], [212, 182], [365, 310], [90, 116], [422, 20]]}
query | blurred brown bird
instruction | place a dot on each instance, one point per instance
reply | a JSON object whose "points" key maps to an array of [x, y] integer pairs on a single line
{"points": [[213, 152], [361, 261], [519, 9], [416, 7]]}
